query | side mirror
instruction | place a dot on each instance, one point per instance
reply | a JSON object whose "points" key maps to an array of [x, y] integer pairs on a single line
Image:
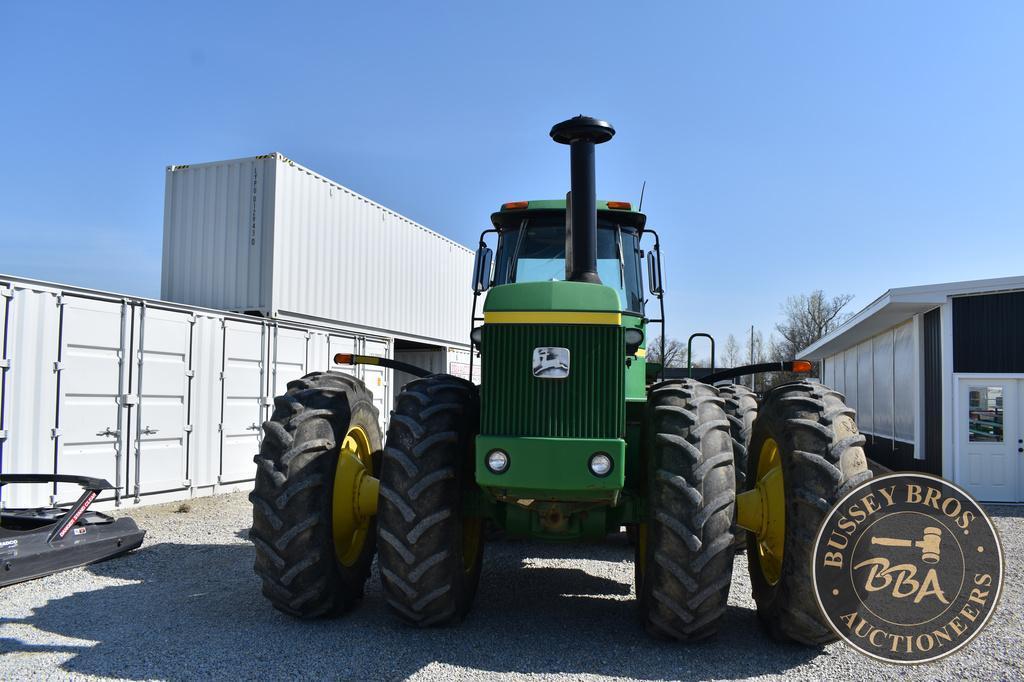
{"points": [[654, 273], [482, 269]]}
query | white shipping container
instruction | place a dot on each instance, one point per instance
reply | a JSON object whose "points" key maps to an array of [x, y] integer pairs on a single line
{"points": [[163, 400], [264, 234]]}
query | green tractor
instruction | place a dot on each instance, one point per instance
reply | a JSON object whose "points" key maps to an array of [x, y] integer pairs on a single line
{"points": [[569, 437]]}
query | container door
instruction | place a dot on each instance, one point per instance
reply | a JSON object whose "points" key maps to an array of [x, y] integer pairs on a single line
{"points": [[242, 406], [161, 385], [92, 379], [376, 378], [342, 344], [289, 358], [30, 393], [6, 296], [988, 434]]}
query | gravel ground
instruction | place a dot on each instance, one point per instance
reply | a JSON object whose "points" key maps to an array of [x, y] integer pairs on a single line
{"points": [[186, 606]]}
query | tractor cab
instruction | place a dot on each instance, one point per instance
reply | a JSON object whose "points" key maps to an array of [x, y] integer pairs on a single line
{"points": [[531, 247]]}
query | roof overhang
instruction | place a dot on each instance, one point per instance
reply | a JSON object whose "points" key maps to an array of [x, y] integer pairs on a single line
{"points": [[896, 306]]}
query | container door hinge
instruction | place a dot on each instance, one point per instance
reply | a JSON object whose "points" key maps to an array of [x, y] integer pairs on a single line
{"points": [[53, 500], [3, 434], [187, 428], [7, 293], [190, 373], [220, 427], [5, 363], [58, 366], [187, 483], [56, 433], [129, 399]]}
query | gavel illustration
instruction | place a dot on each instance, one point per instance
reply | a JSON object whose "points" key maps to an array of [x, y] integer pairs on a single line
{"points": [[929, 544]]}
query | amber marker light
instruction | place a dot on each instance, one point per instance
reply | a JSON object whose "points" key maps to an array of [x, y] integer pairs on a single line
{"points": [[343, 359], [802, 366], [515, 205], [620, 205]]}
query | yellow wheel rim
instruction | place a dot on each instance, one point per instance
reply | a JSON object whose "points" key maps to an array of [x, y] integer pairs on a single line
{"points": [[354, 497], [771, 537], [471, 530]]}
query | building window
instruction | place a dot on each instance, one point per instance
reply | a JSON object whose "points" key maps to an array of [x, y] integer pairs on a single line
{"points": [[985, 414]]}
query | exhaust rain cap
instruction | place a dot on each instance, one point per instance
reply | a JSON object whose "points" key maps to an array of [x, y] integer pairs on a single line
{"points": [[581, 134]]}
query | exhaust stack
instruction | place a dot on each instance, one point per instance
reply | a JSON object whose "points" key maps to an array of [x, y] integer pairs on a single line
{"points": [[581, 134]]}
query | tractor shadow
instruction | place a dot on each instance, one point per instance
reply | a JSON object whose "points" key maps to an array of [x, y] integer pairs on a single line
{"points": [[181, 611]]}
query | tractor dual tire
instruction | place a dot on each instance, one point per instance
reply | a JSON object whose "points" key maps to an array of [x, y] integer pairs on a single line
{"points": [[293, 496], [684, 550], [822, 458], [430, 553], [741, 411]]}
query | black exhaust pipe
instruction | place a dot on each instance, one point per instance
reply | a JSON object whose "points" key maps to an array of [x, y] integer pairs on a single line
{"points": [[581, 134]]}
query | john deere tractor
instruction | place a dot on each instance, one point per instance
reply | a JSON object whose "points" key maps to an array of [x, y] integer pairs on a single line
{"points": [[569, 437]]}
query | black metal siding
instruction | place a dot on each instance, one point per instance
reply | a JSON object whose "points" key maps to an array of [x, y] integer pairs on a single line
{"points": [[899, 456], [932, 427], [988, 333]]}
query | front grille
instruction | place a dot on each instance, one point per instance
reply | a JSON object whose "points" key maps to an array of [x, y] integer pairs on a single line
{"points": [[590, 403]]}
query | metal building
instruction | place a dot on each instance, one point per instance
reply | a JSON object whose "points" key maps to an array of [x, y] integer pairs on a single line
{"points": [[936, 374], [268, 271]]}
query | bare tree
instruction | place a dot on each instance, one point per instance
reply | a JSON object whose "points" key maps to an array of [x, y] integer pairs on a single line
{"points": [[731, 353], [807, 319], [675, 352]]}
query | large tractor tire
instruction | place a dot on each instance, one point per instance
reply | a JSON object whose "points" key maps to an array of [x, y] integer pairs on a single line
{"points": [[741, 411], [430, 553], [313, 548], [805, 454], [684, 549]]}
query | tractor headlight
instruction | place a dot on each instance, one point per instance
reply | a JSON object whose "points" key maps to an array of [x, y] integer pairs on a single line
{"points": [[477, 336], [497, 461], [600, 464], [634, 337]]}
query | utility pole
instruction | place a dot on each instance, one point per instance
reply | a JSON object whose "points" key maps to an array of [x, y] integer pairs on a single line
{"points": [[751, 355]]}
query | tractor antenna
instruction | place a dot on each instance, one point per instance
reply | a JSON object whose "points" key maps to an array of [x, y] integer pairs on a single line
{"points": [[640, 206]]}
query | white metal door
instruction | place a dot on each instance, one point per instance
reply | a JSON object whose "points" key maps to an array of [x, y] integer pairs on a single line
{"points": [[376, 378], [243, 391], [342, 344], [290, 358], [30, 393], [160, 426], [93, 371], [6, 296], [988, 435]]}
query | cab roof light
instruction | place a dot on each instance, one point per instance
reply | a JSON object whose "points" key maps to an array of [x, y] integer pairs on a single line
{"points": [[515, 205], [620, 205], [801, 366]]}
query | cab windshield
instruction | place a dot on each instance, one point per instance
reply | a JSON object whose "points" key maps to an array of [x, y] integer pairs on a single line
{"points": [[535, 252]]}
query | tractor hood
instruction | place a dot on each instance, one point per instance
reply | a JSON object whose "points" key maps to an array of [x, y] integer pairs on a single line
{"points": [[552, 296]]}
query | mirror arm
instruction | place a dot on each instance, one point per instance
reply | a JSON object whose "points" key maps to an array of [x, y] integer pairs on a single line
{"points": [[476, 295]]}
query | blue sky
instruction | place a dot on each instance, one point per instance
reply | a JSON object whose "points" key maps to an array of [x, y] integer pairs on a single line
{"points": [[786, 146]]}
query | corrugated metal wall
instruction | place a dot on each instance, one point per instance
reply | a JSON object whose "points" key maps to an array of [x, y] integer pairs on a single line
{"points": [[218, 234], [267, 234], [932, 330], [878, 378], [988, 333], [161, 400]]}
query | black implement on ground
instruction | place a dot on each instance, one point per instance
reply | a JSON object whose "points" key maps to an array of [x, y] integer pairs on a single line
{"points": [[45, 540]]}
